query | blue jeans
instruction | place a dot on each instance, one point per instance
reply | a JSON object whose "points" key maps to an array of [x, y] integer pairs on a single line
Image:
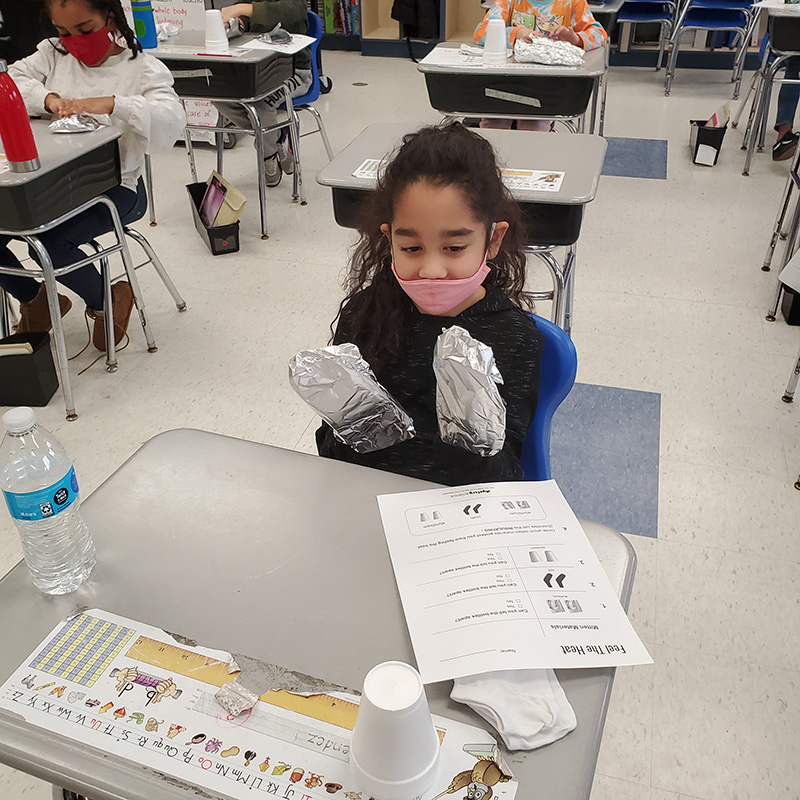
{"points": [[63, 244], [789, 95]]}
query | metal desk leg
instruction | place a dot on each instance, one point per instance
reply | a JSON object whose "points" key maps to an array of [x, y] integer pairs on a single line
{"points": [[788, 395], [558, 294], [294, 139], [569, 280], [602, 125], [262, 180], [784, 208], [148, 181], [51, 288], [218, 141], [598, 81], [187, 137], [5, 315], [108, 317]]}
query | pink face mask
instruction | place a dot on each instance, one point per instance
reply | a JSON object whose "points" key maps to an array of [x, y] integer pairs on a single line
{"points": [[89, 48], [437, 296]]}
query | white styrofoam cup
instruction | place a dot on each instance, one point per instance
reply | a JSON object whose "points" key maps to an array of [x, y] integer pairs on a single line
{"points": [[216, 38], [495, 43], [394, 751]]}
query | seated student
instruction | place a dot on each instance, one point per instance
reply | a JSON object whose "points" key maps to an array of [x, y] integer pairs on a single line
{"points": [[261, 16], [96, 66], [565, 20], [441, 244]]}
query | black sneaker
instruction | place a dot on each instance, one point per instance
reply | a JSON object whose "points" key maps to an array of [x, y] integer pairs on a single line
{"points": [[785, 147]]}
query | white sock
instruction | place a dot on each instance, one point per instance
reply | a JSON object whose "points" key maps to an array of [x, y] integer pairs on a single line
{"points": [[527, 707]]}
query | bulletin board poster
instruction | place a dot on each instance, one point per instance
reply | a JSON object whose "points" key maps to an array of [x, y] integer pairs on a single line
{"points": [[187, 15], [134, 692]]}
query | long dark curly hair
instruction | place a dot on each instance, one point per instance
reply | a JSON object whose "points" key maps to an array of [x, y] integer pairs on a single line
{"points": [[112, 11], [442, 155]]}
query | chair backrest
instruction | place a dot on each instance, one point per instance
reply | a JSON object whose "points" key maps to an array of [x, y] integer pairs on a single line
{"points": [[315, 31], [558, 369]]}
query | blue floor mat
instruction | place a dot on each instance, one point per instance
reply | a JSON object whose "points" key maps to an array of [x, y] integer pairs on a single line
{"points": [[636, 158], [604, 455]]}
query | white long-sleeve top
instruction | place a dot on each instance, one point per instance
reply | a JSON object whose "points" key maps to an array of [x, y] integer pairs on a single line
{"points": [[146, 107]]}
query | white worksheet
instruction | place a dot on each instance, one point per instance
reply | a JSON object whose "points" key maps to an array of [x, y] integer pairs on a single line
{"points": [[538, 180], [501, 576]]}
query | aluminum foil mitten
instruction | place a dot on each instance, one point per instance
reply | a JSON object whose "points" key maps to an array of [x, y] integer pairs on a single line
{"points": [[340, 386], [470, 410], [79, 123], [542, 50]]}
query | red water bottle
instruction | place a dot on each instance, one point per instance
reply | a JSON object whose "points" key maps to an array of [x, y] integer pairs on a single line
{"points": [[15, 127]]}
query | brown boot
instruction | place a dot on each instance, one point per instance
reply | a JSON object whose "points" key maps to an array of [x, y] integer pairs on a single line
{"points": [[121, 305], [34, 317]]}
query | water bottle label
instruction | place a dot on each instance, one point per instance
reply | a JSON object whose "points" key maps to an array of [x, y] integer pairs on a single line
{"points": [[46, 503]]}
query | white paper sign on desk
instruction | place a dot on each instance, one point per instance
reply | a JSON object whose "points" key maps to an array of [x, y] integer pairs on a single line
{"points": [[501, 576]]}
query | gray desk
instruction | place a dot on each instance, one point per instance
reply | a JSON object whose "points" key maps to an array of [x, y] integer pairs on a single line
{"points": [[270, 553], [244, 77], [519, 90], [75, 167], [606, 13], [552, 218]]}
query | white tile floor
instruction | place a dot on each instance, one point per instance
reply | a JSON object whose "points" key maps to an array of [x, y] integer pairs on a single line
{"points": [[670, 299]]}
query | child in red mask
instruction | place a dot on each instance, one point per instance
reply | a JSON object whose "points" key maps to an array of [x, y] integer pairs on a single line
{"points": [[95, 66], [441, 244]]}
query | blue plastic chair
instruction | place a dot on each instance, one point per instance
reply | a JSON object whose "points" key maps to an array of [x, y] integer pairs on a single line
{"points": [[733, 16], [303, 103], [645, 11], [558, 369]]}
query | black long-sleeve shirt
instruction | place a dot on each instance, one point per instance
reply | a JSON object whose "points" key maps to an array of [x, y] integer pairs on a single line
{"points": [[517, 346]]}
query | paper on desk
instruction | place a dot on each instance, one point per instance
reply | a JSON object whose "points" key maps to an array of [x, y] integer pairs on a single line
{"points": [[501, 576], [299, 42], [532, 179], [455, 57], [129, 691], [779, 5], [370, 168]]}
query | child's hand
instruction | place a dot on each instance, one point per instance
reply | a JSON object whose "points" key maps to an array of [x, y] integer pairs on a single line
{"points": [[53, 103], [564, 34], [236, 11], [87, 105], [524, 34]]}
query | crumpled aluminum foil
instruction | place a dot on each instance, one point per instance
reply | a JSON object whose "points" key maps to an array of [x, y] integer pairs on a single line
{"points": [[340, 386], [471, 412], [79, 123], [278, 35], [548, 51]]}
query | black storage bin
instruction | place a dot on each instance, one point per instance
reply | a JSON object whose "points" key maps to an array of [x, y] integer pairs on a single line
{"points": [[790, 306], [556, 97], [28, 379], [221, 239], [784, 33]]}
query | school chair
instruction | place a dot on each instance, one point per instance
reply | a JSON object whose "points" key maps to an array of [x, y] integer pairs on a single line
{"points": [[557, 377], [707, 15], [650, 11], [136, 213], [781, 42], [304, 102]]}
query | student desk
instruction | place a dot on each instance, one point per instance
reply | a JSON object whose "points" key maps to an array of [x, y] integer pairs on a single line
{"points": [[274, 554], [245, 77], [553, 219], [606, 13], [459, 85], [75, 171]]}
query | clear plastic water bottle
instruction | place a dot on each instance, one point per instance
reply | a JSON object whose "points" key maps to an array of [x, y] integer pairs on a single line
{"points": [[41, 492]]}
